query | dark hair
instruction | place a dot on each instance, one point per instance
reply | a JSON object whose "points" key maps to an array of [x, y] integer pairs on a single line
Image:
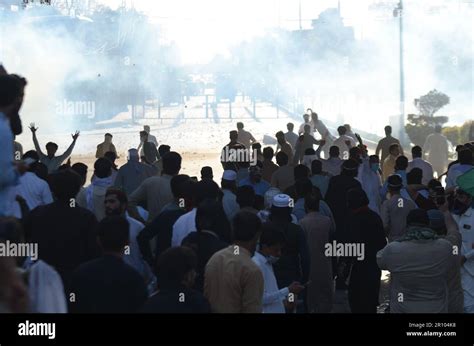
{"points": [[233, 134], [177, 185], [334, 151], [11, 88], [268, 153], [401, 163], [245, 196], [395, 183], [121, 196], [354, 151], [81, 169], [350, 168], [301, 172], [280, 134], [418, 217], [113, 233], [393, 146], [32, 154], [206, 189], [290, 125], [256, 146], [388, 130], [415, 176], [341, 130], [108, 135], [163, 149], [144, 133], [171, 163], [102, 168], [207, 214], [240, 125], [206, 172], [311, 202], [465, 157], [271, 235], [111, 156], [52, 144], [281, 158], [434, 183], [356, 198], [246, 226], [173, 264], [316, 167], [374, 157], [65, 184], [416, 151], [303, 187]]}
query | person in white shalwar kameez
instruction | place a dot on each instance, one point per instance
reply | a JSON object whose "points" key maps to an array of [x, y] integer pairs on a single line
{"points": [[371, 181], [436, 151]]}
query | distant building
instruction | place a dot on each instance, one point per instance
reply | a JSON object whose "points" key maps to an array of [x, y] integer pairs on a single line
{"points": [[328, 32]]}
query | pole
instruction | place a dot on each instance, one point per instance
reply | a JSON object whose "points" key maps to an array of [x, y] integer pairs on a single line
{"points": [[402, 76], [299, 10]]}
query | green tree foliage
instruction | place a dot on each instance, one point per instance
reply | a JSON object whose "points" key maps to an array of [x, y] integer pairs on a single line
{"points": [[459, 134], [421, 125]]}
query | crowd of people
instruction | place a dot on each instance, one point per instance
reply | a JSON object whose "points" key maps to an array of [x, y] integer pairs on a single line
{"points": [[281, 231]]}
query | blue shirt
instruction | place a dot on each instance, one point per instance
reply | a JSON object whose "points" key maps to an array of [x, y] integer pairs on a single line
{"points": [[321, 182], [259, 188], [9, 176]]}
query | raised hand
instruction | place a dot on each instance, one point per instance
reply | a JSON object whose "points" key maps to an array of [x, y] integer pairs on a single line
{"points": [[359, 138], [76, 135], [33, 128]]}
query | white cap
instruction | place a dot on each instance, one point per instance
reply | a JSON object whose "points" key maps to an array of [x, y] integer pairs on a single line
{"points": [[229, 175], [268, 197], [281, 201]]}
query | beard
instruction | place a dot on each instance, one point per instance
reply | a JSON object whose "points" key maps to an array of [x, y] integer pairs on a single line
{"points": [[113, 212]]}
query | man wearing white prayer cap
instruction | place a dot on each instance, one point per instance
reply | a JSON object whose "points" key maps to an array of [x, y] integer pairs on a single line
{"points": [[229, 198]]}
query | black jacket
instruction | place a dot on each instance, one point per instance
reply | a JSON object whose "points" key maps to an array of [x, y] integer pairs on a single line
{"points": [[107, 285]]}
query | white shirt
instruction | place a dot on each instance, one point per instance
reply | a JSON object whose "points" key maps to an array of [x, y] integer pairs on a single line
{"points": [[322, 129], [272, 296], [134, 258], [466, 228], [332, 166], [229, 203], [371, 183], [311, 131], [425, 166], [291, 138], [34, 190], [183, 226], [343, 147]]}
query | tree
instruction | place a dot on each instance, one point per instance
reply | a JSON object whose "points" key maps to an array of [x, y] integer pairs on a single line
{"points": [[432, 102], [422, 125]]}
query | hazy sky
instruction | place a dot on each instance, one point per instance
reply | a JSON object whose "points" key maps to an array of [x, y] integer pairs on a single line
{"points": [[203, 28]]}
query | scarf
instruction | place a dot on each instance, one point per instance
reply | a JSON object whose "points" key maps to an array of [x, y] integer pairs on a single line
{"points": [[419, 233]]}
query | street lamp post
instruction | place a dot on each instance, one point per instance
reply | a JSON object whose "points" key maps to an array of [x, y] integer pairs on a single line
{"points": [[399, 12]]}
